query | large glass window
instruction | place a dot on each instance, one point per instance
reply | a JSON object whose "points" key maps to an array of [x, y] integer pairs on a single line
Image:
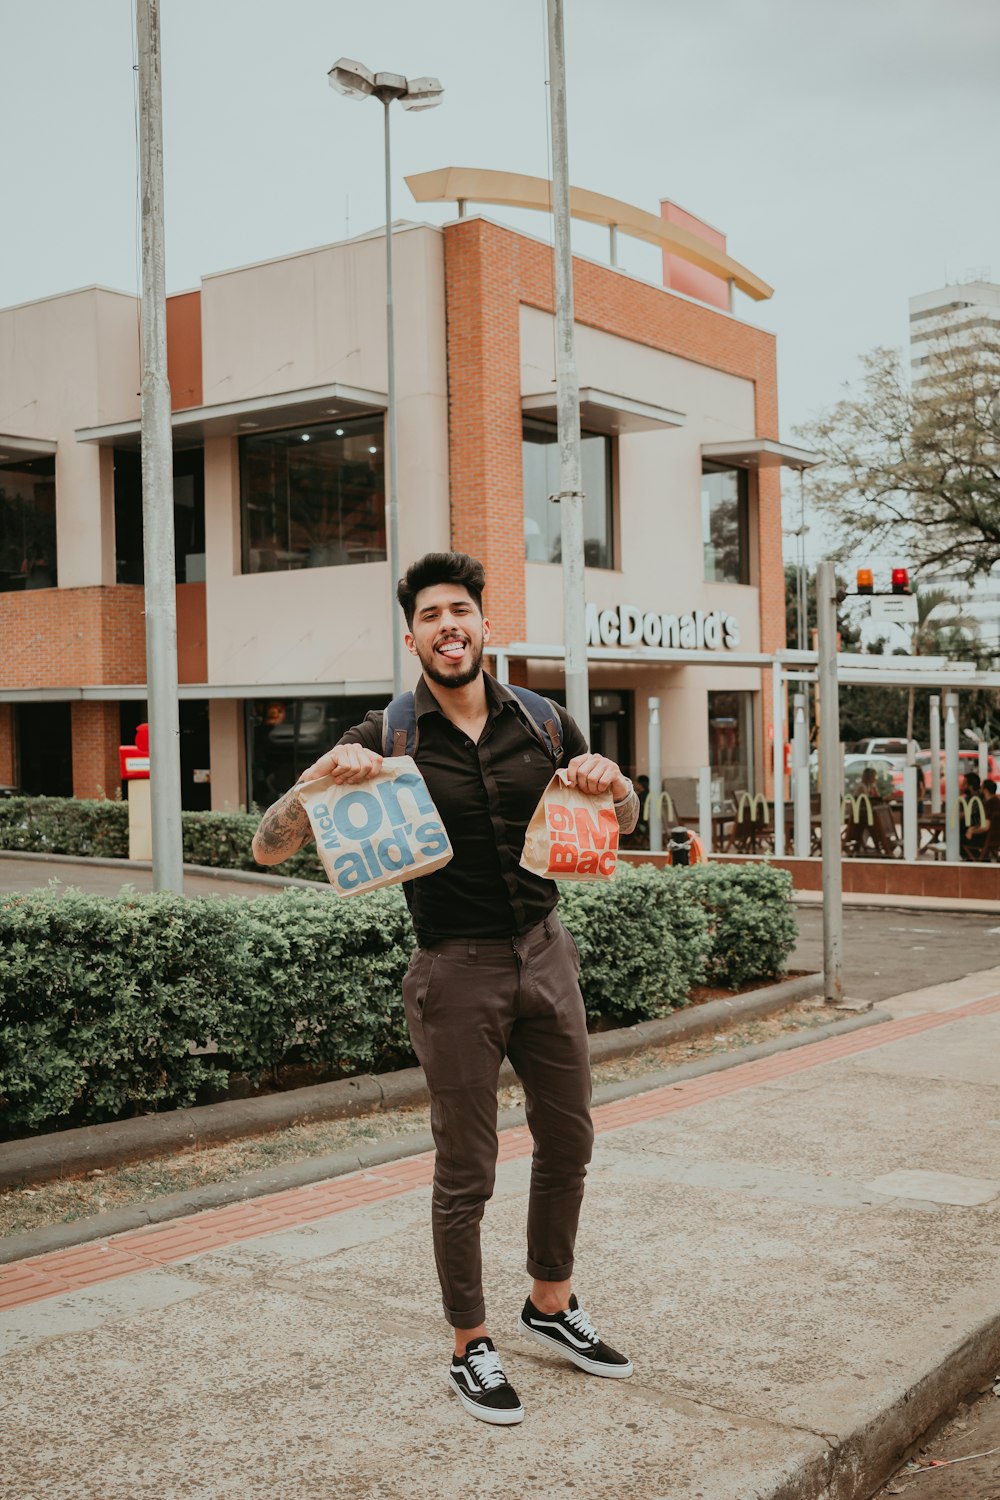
{"points": [[540, 461], [285, 735], [28, 524], [313, 497], [730, 742], [189, 516], [724, 526]]}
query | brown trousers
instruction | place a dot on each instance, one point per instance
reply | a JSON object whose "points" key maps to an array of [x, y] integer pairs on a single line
{"points": [[468, 1002]]}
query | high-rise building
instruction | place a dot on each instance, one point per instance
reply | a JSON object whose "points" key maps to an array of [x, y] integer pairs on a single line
{"points": [[965, 314]]}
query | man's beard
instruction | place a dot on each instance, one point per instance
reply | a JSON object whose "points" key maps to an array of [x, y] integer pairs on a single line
{"points": [[452, 679]]}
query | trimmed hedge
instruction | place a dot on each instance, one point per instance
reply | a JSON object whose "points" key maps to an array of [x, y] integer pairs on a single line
{"points": [[92, 829], [100, 997]]}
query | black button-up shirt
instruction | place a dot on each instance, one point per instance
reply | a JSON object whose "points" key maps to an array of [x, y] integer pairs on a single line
{"points": [[486, 792]]}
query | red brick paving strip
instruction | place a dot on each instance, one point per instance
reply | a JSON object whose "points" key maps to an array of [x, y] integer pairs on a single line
{"points": [[142, 1249]]}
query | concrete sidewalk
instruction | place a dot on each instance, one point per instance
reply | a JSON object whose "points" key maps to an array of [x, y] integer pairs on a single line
{"points": [[799, 1254]]}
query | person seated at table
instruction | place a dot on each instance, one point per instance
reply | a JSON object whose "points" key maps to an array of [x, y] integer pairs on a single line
{"points": [[976, 837], [971, 784], [868, 785]]}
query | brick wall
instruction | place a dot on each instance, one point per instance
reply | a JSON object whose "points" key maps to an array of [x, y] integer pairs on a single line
{"points": [[73, 637], [67, 637], [96, 736], [489, 272]]}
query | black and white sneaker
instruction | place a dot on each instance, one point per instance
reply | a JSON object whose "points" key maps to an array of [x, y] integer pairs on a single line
{"points": [[573, 1335], [483, 1387]]}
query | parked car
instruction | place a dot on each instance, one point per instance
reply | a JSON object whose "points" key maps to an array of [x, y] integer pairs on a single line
{"points": [[895, 747], [968, 760]]}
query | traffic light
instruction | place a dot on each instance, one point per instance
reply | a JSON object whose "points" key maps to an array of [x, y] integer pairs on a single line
{"points": [[866, 582]]}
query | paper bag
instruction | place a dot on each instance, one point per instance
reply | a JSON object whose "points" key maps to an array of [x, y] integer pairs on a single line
{"points": [[376, 832], [571, 836]]}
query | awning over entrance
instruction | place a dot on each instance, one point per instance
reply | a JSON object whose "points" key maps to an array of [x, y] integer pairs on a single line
{"points": [[235, 418], [760, 453], [601, 411], [14, 449]]}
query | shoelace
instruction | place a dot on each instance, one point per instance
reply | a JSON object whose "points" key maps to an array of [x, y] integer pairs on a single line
{"points": [[487, 1368], [578, 1319]]}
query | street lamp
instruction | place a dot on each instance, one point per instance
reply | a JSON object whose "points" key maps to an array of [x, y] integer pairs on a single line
{"points": [[357, 82]]}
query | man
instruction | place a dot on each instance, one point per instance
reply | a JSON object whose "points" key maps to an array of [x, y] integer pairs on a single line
{"points": [[494, 971]]}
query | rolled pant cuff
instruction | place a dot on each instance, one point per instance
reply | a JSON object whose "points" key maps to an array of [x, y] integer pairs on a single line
{"points": [[549, 1273], [470, 1319]]}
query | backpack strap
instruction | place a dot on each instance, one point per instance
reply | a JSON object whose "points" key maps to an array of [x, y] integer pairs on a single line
{"points": [[543, 719], [400, 734], [399, 727]]}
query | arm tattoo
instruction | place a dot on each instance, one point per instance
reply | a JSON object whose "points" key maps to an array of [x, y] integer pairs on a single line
{"points": [[627, 812], [284, 828]]}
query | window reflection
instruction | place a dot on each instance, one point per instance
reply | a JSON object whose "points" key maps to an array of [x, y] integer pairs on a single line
{"points": [[724, 525], [730, 741], [28, 525], [542, 525], [313, 497], [189, 516], [285, 736]]}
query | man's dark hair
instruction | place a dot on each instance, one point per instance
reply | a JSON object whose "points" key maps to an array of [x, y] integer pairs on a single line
{"points": [[440, 567]]}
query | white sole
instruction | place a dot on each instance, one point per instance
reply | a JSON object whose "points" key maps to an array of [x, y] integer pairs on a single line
{"points": [[592, 1366], [487, 1413]]}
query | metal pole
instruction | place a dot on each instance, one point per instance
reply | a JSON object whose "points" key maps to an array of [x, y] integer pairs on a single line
{"points": [[613, 244], [800, 760], [392, 498], [655, 778], [935, 748], [910, 840], [567, 393], [831, 766], [160, 600], [705, 807], [802, 587], [984, 760], [952, 832], [778, 747]]}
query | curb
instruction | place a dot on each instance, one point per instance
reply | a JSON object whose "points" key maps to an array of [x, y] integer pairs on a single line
{"points": [[340, 1163], [71, 1153], [862, 1460]]}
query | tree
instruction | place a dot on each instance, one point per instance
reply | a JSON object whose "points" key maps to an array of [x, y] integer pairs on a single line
{"points": [[918, 466]]}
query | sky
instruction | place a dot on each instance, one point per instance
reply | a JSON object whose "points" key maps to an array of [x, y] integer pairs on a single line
{"points": [[846, 147]]}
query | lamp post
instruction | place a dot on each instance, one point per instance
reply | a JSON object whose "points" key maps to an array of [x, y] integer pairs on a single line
{"points": [[570, 496], [357, 82]]}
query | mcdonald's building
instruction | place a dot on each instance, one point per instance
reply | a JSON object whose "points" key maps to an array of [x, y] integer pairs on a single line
{"points": [[279, 382]]}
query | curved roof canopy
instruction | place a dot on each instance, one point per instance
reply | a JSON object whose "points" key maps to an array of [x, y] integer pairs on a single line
{"points": [[513, 190]]}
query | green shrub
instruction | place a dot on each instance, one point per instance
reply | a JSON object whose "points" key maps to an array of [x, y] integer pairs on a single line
{"points": [[320, 983], [642, 943], [64, 825], [93, 829], [100, 997], [752, 927]]}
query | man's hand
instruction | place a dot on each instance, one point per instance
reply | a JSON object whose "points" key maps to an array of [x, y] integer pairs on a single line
{"points": [[284, 828], [346, 764], [593, 774]]}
